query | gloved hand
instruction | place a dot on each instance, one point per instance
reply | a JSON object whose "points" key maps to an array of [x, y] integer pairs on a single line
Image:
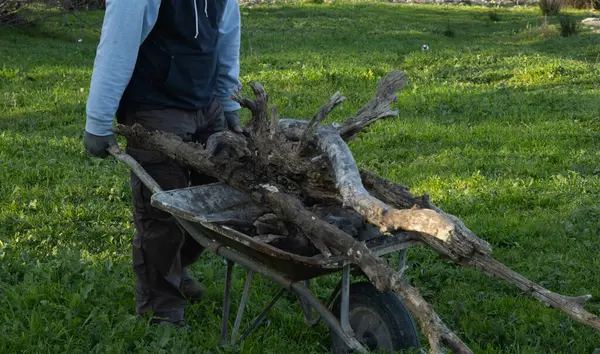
{"points": [[97, 145], [233, 121]]}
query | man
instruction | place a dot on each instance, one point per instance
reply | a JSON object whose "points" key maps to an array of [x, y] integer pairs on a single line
{"points": [[167, 65]]}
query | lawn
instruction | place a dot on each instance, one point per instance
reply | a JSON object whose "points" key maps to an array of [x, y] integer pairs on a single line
{"points": [[499, 124]]}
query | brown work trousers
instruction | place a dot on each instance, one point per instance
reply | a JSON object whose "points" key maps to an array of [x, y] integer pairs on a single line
{"points": [[162, 249]]}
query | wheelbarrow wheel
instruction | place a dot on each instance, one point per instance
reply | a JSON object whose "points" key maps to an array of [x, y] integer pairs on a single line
{"points": [[380, 321]]}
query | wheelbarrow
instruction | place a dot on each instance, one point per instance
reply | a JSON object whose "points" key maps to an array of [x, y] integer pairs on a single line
{"points": [[360, 317]]}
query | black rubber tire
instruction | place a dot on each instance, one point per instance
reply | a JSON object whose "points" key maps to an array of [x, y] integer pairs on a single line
{"points": [[397, 330]]}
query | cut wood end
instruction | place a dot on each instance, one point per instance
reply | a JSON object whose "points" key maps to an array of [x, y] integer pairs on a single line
{"points": [[445, 233], [444, 228]]}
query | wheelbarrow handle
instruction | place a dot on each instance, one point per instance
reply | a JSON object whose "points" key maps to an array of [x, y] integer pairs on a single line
{"points": [[139, 171]]}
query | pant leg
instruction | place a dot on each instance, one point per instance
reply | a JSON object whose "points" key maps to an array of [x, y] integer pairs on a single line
{"points": [[158, 238]]}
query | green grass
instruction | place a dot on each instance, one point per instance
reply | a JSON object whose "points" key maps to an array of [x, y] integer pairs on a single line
{"points": [[499, 124]]}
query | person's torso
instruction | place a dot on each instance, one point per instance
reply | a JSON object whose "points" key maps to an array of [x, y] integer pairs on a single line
{"points": [[177, 63]]}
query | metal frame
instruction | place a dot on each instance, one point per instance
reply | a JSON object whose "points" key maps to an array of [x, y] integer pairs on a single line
{"points": [[244, 250], [301, 289]]}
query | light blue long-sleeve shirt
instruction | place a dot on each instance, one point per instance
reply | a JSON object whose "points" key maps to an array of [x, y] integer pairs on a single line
{"points": [[126, 25]]}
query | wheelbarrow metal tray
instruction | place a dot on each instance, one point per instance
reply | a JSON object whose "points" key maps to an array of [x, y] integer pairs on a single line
{"points": [[211, 208]]}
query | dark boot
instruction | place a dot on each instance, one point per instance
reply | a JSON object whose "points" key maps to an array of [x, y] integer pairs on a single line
{"points": [[191, 288]]}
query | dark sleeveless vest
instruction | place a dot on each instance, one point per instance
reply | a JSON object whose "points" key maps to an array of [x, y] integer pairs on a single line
{"points": [[177, 63]]}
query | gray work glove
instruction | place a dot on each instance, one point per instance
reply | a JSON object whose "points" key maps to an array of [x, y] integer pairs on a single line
{"points": [[97, 145], [233, 121]]}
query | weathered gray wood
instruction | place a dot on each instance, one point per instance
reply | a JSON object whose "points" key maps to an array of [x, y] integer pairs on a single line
{"points": [[573, 306], [307, 138], [355, 196], [395, 194], [274, 126], [268, 167], [378, 107], [379, 273]]}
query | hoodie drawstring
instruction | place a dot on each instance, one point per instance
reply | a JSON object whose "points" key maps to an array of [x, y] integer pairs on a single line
{"points": [[196, 14], [196, 17]]}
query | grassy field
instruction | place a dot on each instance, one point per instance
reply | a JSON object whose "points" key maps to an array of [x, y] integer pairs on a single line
{"points": [[499, 124]]}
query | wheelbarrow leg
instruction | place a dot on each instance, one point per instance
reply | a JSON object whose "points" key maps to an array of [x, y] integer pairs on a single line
{"points": [[240, 313], [306, 308], [226, 303], [402, 262], [327, 316], [345, 308], [258, 320]]}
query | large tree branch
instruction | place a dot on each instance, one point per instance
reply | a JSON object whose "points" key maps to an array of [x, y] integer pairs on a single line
{"points": [[396, 194], [450, 234], [225, 157], [377, 108], [292, 210], [444, 232], [269, 156]]}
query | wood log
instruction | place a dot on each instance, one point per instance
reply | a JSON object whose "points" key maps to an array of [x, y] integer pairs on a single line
{"points": [[377, 271], [306, 161], [249, 171], [395, 194]]}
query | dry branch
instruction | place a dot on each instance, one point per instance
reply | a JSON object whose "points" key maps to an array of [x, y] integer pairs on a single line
{"points": [[573, 306], [355, 196], [247, 168], [374, 268], [395, 194], [273, 128], [276, 175], [307, 138], [378, 107]]}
